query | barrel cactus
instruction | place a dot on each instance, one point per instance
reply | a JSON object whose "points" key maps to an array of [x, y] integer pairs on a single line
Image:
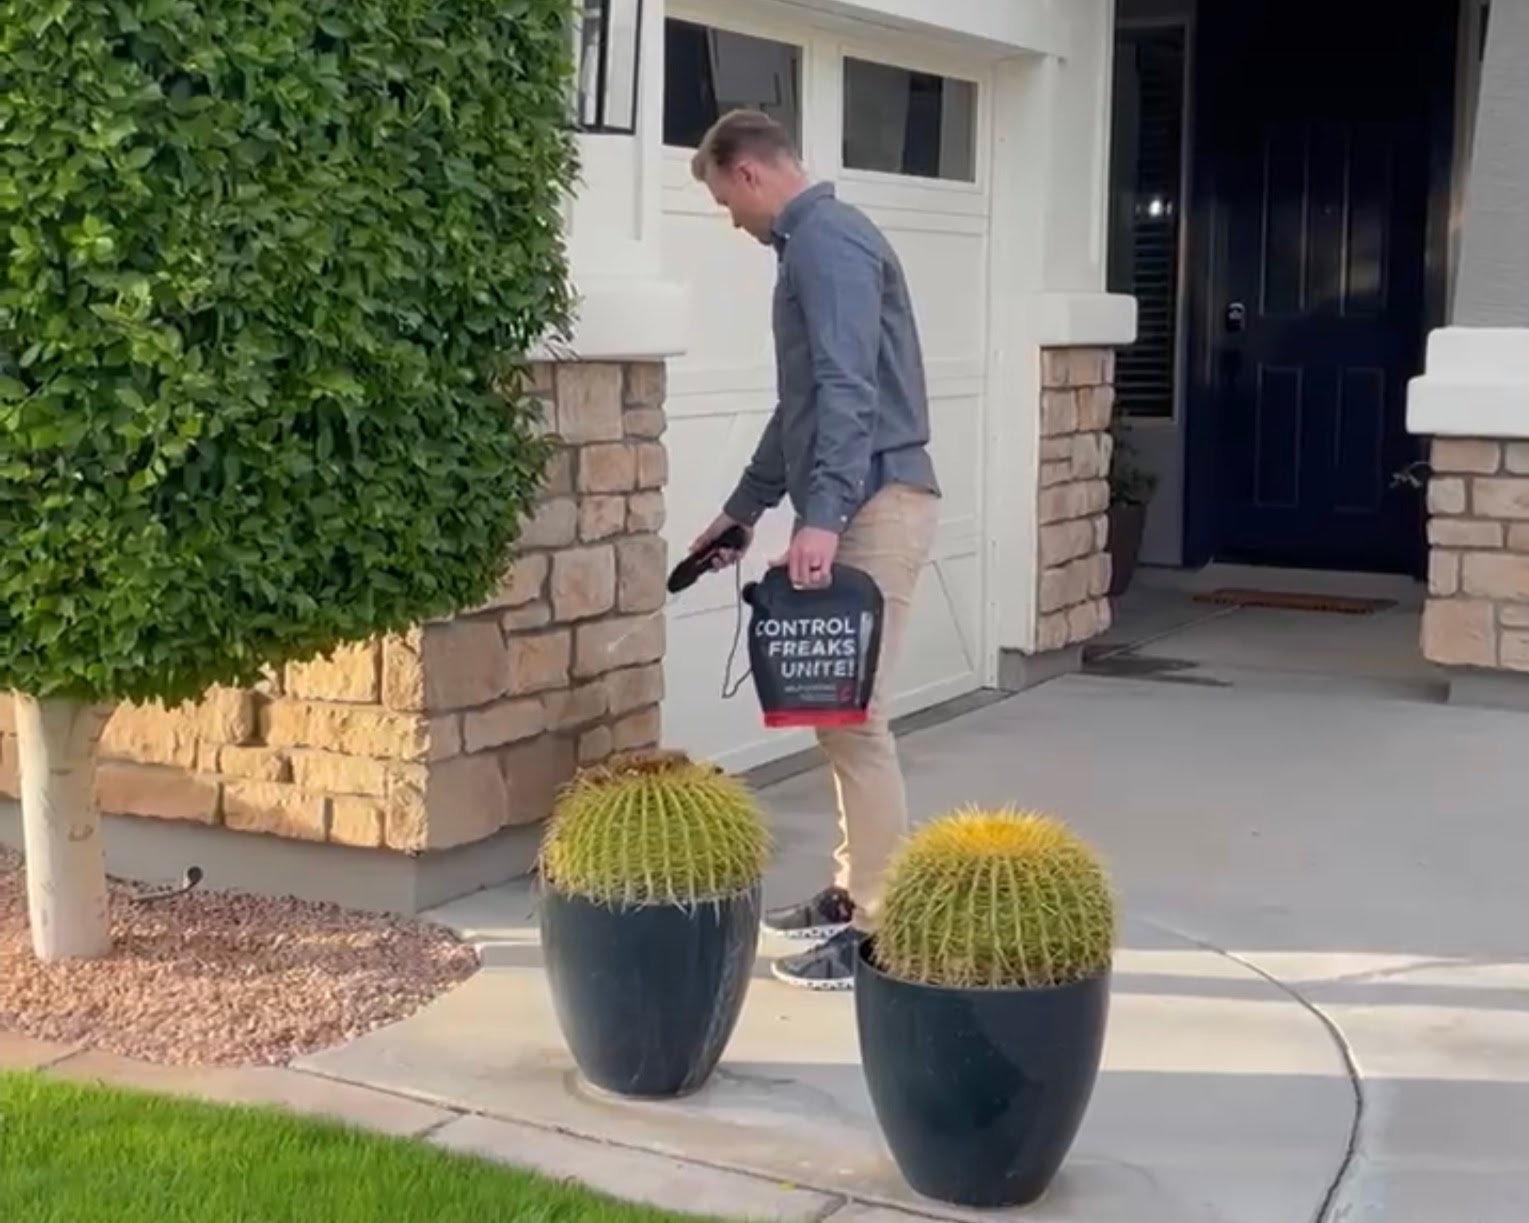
{"points": [[996, 900], [655, 828]]}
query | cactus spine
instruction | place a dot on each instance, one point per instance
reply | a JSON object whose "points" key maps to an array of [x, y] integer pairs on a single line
{"points": [[654, 828], [995, 899]]}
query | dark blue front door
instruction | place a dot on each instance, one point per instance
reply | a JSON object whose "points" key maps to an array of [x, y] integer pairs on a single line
{"points": [[1317, 139]]}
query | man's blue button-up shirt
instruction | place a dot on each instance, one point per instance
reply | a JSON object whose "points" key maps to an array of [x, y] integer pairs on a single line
{"points": [[853, 412]]}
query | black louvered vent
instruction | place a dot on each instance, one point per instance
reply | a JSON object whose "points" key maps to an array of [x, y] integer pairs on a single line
{"points": [[1146, 170]]}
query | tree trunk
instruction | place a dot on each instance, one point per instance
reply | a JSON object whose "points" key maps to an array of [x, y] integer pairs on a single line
{"points": [[66, 861]]}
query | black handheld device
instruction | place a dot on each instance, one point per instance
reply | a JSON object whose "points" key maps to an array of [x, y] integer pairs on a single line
{"points": [[685, 574]]}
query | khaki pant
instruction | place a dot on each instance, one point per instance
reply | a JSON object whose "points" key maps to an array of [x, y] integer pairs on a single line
{"points": [[890, 539]]}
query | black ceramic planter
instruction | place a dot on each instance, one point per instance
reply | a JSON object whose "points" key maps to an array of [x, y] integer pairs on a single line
{"points": [[1127, 522], [979, 1093], [647, 998]]}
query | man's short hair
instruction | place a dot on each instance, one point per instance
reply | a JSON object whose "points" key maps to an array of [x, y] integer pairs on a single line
{"points": [[742, 133]]}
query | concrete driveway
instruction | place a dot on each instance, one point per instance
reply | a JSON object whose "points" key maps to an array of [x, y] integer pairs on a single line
{"points": [[1321, 1012]]}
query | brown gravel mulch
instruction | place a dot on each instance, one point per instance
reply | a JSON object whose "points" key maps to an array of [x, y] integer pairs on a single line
{"points": [[227, 979]]}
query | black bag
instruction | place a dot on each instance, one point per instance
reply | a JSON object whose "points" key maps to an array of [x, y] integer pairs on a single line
{"points": [[814, 653]]}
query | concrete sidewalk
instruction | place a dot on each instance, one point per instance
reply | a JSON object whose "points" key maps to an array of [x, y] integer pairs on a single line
{"points": [[1322, 993], [1321, 1010], [1196, 1040]]}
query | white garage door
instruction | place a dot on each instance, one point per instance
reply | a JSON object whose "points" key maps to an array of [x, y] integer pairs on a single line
{"points": [[910, 150]]}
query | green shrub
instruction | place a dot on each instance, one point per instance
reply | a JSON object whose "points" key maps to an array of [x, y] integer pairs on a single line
{"points": [[654, 828], [996, 899], [265, 263]]}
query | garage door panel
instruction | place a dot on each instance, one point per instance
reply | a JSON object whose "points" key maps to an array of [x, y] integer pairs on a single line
{"points": [[894, 194], [955, 430], [947, 280], [733, 388], [722, 389], [942, 638], [706, 453], [709, 448], [953, 377], [937, 259], [961, 578], [899, 221], [939, 644]]}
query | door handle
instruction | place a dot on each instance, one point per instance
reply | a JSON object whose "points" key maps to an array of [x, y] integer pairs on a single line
{"points": [[1236, 317]]}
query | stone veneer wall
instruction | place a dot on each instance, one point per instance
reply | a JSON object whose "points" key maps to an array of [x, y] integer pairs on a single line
{"points": [[442, 736], [1077, 398], [1477, 613]]}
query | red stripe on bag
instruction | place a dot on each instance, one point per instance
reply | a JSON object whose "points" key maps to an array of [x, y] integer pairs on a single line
{"points": [[829, 718]]}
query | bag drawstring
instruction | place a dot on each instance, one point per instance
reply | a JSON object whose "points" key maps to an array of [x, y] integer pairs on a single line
{"points": [[737, 635]]}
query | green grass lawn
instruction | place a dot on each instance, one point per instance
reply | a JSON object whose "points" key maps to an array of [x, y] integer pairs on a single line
{"points": [[74, 1153]]}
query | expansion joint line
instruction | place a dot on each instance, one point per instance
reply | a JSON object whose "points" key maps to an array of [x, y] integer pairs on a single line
{"points": [[1346, 1164]]}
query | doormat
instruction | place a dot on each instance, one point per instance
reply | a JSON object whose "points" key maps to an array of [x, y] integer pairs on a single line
{"points": [[1285, 600]]}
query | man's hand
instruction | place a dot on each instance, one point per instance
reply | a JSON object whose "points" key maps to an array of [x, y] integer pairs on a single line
{"points": [[810, 558], [726, 556]]}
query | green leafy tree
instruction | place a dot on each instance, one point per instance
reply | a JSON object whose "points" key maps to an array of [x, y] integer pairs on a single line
{"points": [[268, 273]]}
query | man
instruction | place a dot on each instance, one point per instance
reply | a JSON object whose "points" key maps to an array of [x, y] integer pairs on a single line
{"points": [[848, 442]]}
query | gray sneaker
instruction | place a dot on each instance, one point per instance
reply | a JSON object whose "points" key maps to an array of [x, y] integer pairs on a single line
{"points": [[827, 913], [829, 965]]}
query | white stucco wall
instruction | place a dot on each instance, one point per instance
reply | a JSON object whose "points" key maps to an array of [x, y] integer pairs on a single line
{"points": [[1476, 382], [1492, 289], [628, 309]]}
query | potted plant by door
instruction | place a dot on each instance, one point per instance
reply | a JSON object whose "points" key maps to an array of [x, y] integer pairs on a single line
{"points": [[649, 911], [1131, 490], [981, 1001]]}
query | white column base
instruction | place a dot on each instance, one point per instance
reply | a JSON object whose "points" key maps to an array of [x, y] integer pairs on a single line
{"points": [[1476, 384], [625, 319], [1084, 320]]}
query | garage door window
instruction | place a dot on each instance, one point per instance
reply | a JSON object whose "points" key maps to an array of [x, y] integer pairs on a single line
{"points": [[709, 72], [897, 121]]}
